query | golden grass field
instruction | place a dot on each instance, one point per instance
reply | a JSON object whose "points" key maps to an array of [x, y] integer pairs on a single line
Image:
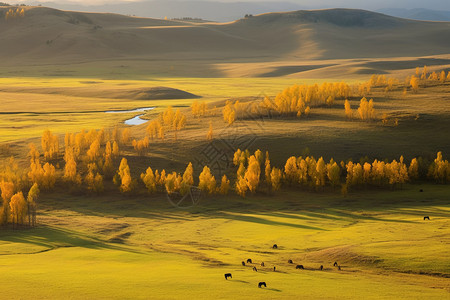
{"points": [[140, 246]]}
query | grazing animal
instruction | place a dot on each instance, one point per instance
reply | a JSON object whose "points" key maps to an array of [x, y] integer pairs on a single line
{"points": [[300, 267], [421, 191], [262, 264], [243, 263], [255, 269], [249, 261], [228, 275], [274, 268], [426, 218], [275, 246], [335, 264], [339, 268], [262, 283], [290, 261], [321, 267]]}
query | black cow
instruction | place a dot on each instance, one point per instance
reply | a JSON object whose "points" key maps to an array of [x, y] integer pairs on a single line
{"points": [[243, 263], [262, 264], [426, 218], [255, 269], [335, 264], [262, 283], [300, 267], [275, 246], [290, 261], [249, 261], [228, 275], [274, 268], [321, 267], [421, 190]]}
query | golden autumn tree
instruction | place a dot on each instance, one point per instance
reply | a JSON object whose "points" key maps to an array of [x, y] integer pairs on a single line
{"points": [[149, 180], [224, 185], [348, 110], [414, 82], [291, 170], [188, 179], [33, 195], [18, 209], [209, 135], [413, 170], [124, 176], [50, 145], [70, 168], [321, 172], [267, 169], [252, 174], [207, 181], [275, 179], [7, 191], [334, 173]]}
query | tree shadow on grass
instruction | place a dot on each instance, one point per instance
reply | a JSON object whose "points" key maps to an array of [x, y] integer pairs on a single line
{"points": [[53, 238], [253, 219]]}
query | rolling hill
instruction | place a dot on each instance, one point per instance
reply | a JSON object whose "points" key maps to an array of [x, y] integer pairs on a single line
{"points": [[50, 36]]}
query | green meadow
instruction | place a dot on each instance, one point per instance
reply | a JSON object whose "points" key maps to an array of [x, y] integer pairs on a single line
{"points": [[113, 247]]}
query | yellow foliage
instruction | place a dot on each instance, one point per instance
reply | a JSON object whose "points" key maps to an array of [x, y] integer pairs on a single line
{"points": [[224, 185], [207, 181], [18, 208], [209, 135], [149, 180], [275, 178]]}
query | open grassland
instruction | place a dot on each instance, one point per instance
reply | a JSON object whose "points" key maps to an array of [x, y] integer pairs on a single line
{"points": [[31, 105], [141, 247]]}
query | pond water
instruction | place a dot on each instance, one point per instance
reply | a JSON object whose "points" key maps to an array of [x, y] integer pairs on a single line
{"points": [[135, 120]]}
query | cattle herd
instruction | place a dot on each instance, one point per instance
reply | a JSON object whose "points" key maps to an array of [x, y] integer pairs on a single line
{"points": [[262, 283]]}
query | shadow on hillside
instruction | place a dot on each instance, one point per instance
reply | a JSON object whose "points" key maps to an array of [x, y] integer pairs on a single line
{"points": [[53, 238]]}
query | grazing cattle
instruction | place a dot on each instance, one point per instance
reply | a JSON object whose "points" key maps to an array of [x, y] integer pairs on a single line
{"points": [[290, 261], [255, 269], [274, 268], [321, 267], [421, 191], [262, 284], [249, 261], [339, 268], [228, 275], [275, 246], [262, 264], [300, 267], [426, 218], [243, 263], [335, 264]]}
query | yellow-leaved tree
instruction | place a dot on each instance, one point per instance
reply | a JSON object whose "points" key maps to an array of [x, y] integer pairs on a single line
{"points": [[207, 182]]}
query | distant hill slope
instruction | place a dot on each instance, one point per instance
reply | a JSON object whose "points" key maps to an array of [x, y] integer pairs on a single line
{"points": [[418, 14], [52, 35], [208, 10]]}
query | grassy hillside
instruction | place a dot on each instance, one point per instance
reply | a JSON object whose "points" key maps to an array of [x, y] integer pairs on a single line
{"points": [[180, 48], [114, 247]]}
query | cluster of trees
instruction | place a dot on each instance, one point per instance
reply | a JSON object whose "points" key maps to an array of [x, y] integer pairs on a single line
{"points": [[177, 183], [16, 209], [167, 120], [295, 100], [366, 110], [14, 13], [316, 173], [199, 109], [423, 77]]}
